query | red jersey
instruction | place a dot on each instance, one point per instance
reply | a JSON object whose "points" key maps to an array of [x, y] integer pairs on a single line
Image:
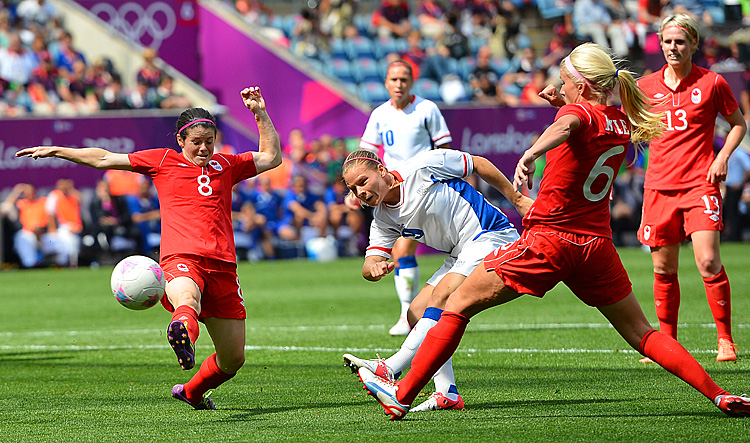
{"points": [[195, 201], [578, 175], [680, 158]]}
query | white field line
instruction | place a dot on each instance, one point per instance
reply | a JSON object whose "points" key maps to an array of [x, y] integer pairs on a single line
{"points": [[344, 328], [498, 327]]}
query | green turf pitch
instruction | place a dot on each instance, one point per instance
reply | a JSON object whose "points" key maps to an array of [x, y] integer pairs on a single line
{"points": [[75, 366]]}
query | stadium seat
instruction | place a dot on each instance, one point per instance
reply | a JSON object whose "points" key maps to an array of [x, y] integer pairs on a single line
{"points": [[373, 92], [363, 24], [501, 65], [426, 88], [288, 22], [338, 49], [550, 9], [465, 66], [367, 70], [358, 47], [339, 68], [387, 45]]}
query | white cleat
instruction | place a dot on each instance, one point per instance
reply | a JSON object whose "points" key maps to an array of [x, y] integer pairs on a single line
{"points": [[401, 327]]}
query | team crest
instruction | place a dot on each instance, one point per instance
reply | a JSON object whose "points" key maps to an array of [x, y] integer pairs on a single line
{"points": [[695, 96], [216, 165], [646, 232]]}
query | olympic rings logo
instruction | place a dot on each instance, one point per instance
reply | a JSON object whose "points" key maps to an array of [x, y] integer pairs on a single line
{"points": [[158, 20]]}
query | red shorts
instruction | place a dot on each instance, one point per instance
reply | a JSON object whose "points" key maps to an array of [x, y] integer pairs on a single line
{"points": [[543, 257], [670, 217], [221, 295]]}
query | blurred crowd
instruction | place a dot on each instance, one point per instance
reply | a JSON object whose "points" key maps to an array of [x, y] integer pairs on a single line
{"points": [[275, 214], [43, 72], [484, 51]]}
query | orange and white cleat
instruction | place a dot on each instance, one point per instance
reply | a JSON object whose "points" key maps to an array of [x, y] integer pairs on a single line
{"points": [[439, 402]]}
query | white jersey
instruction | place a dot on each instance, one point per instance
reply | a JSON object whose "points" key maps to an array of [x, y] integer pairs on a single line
{"points": [[437, 207], [403, 133]]}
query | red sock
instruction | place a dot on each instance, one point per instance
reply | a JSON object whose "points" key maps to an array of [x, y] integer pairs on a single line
{"points": [[719, 299], [670, 355], [208, 377], [438, 346], [667, 301], [187, 315]]}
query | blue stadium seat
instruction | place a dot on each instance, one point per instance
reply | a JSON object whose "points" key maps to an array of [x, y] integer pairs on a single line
{"points": [[373, 93], [501, 65], [384, 46], [465, 66], [358, 47], [288, 22], [362, 23], [338, 49], [550, 9], [367, 70], [426, 88], [340, 69]]}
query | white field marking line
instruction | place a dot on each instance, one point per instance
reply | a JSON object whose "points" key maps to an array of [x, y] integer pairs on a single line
{"points": [[373, 351], [486, 327]]}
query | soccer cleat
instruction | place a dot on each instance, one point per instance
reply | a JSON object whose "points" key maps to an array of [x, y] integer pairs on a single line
{"points": [[401, 327], [439, 402], [645, 360], [384, 391], [177, 335], [727, 350], [376, 366], [734, 405], [178, 392]]}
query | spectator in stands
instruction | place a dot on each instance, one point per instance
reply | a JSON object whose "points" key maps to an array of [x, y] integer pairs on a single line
{"points": [[308, 39], [304, 213], [145, 215], [522, 67], [112, 96], [110, 217], [391, 19], [345, 222], [625, 204], [592, 21], [16, 62], [253, 11], [43, 87], [414, 54], [438, 64], [123, 183], [139, 97], [63, 53], [76, 89], [454, 39], [485, 81], [695, 9], [65, 225], [432, 18], [5, 28], [31, 241], [38, 12], [738, 175], [530, 93], [165, 98], [149, 74], [268, 203], [316, 178], [337, 17], [624, 21], [246, 222]]}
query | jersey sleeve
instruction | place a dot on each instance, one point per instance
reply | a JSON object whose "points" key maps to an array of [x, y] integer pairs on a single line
{"points": [[244, 166], [446, 164], [382, 240], [576, 110], [437, 127], [148, 161], [371, 140], [725, 101]]}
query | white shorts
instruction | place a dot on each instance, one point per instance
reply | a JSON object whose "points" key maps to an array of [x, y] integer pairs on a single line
{"points": [[473, 253]]}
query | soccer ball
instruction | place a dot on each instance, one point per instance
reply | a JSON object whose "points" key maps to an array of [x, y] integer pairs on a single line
{"points": [[138, 282], [322, 249]]}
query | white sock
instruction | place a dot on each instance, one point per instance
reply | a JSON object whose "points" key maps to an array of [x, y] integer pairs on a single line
{"points": [[401, 360], [406, 280], [444, 379]]}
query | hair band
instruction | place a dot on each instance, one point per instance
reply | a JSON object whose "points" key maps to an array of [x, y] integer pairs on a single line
{"points": [[572, 69], [361, 158], [196, 121], [617, 71], [683, 28]]}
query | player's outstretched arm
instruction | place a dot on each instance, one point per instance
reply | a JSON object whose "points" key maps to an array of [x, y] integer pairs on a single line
{"points": [[94, 157], [489, 173], [269, 152]]}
